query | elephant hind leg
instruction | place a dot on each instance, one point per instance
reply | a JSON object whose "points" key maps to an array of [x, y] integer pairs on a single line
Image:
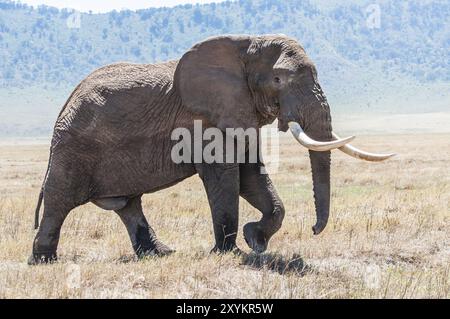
{"points": [[46, 241], [143, 237], [66, 187]]}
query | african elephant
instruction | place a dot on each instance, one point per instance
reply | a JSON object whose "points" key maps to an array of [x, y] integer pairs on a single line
{"points": [[112, 139]]}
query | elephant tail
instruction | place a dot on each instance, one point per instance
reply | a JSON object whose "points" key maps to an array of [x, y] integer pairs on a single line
{"points": [[38, 208], [41, 193]]}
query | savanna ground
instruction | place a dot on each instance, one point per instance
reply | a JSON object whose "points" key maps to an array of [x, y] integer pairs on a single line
{"points": [[388, 234]]}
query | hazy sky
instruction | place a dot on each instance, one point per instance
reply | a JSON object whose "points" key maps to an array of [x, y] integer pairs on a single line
{"points": [[108, 5]]}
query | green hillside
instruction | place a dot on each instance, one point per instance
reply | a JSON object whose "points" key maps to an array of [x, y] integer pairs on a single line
{"points": [[401, 65]]}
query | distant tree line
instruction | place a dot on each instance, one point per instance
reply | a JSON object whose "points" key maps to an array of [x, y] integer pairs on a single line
{"points": [[40, 46]]}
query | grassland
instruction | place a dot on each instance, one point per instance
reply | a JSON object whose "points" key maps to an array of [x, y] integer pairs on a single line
{"points": [[388, 235]]}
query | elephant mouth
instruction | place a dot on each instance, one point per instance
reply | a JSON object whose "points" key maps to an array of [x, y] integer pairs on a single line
{"points": [[283, 125]]}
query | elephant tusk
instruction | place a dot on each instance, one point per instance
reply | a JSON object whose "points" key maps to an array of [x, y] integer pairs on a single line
{"points": [[313, 145], [354, 152]]}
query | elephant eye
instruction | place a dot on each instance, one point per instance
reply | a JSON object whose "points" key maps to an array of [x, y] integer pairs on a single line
{"points": [[277, 80]]}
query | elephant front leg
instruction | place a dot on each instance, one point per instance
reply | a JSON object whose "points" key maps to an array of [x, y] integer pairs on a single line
{"points": [[259, 191], [221, 182]]}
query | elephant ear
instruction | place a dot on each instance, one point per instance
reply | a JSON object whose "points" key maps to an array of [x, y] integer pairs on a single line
{"points": [[212, 83]]}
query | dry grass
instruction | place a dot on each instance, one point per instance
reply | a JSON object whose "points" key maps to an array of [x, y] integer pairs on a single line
{"points": [[388, 236]]}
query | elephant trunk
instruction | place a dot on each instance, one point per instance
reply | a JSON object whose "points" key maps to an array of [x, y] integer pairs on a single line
{"points": [[320, 166], [318, 125]]}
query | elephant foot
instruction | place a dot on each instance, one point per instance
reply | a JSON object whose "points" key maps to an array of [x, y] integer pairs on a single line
{"points": [[42, 258], [255, 237], [159, 250], [231, 248]]}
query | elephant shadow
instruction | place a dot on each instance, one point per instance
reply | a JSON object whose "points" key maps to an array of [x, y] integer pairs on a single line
{"points": [[277, 263], [274, 262]]}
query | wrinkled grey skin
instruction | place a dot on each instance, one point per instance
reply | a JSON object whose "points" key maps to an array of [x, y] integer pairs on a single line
{"points": [[111, 142]]}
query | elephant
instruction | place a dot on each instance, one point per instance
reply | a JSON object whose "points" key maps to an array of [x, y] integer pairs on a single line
{"points": [[112, 139]]}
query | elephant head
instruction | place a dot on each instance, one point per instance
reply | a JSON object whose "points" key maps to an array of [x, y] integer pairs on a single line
{"points": [[245, 81]]}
